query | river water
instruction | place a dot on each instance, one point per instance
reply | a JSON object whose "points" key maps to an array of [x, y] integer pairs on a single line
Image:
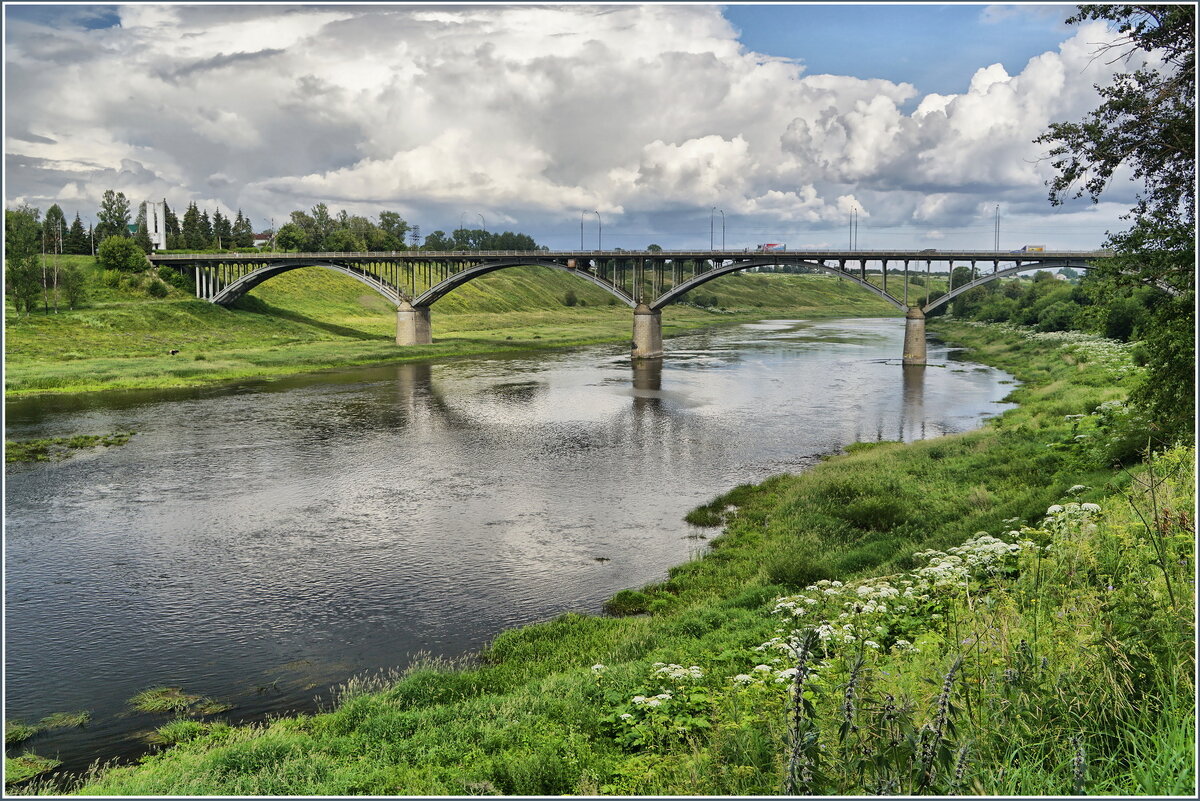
{"points": [[260, 543]]}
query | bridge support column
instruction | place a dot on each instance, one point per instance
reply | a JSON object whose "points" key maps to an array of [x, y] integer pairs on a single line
{"points": [[647, 332], [914, 336], [412, 325]]}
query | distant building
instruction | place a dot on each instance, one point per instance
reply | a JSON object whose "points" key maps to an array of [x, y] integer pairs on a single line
{"points": [[261, 240], [156, 223]]}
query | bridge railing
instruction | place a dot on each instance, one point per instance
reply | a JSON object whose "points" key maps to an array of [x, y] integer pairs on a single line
{"points": [[872, 255]]}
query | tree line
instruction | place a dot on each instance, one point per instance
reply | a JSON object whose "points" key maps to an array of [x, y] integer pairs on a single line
{"points": [[320, 230]]}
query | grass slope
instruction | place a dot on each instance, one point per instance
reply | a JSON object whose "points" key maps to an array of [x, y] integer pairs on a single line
{"points": [[313, 318], [1056, 661]]}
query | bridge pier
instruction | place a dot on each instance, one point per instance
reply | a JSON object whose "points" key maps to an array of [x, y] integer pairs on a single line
{"points": [[412, 325], [647, 332], [914, 336]]}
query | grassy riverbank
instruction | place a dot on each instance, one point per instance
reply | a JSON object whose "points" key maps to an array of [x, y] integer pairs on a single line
{"points": [[315, 319], [1052, 656]]}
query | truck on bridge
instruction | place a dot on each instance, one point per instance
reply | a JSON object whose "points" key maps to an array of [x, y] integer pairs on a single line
{"points": [[770, 247]]}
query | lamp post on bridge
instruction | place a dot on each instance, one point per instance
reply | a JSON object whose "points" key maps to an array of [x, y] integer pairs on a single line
{"points": [[599, 230], [482, 221], [711, 215], [582, 214], [722, 228]]}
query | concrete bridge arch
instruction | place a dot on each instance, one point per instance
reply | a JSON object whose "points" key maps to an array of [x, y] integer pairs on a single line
{"points": [[227, 294]]}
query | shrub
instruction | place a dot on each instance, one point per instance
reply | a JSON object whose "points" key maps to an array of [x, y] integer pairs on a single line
{"points": [[157, 289], [627, 602], [570, 298], [74, 291], [111, 278], [173, 277], [121, 253]]}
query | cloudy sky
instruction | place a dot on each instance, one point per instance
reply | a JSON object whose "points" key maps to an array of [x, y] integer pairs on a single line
{"points": [[534, 117]]}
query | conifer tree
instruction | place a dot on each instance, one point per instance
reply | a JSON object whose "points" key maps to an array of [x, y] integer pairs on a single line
{"points": [[77, 239]]}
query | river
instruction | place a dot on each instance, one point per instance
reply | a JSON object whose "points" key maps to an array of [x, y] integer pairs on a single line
{"points": [[262, 542]]}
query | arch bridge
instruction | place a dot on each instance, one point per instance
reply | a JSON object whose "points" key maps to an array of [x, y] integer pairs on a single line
{"points": [[646, 281]]}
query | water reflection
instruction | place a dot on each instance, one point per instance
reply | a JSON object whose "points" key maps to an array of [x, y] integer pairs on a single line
{"points": [[912, 413], [346, 521]]}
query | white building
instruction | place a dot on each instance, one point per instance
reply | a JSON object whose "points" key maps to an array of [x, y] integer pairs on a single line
{"points": [[156, 223]]}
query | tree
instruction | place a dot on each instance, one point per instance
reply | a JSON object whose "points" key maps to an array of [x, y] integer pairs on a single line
{"points": [[290, 237], [243, 233], [395, 227], [343, 240], [311, 238], [206, 230], [175, 239], [22, 243], [77, 239], [192, 237], [1146, 124], [323, 225], [121, 253], [73, 287], [113, 217], [54, 228], [142, 236], [222, 230], [438, 241]]}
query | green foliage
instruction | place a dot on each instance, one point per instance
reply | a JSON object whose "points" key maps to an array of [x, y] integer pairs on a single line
{"points": [[24, 767], [121, 253], [175, 278], [74, 288], [627, 602], [113, 217], [77, 243], [44, 450], [1168, 390], [570, 298], [1145, 124], [163, 699], [22, 244], [65, 720], [157, 289], [289, 237], [17, 732], [797, 564]]}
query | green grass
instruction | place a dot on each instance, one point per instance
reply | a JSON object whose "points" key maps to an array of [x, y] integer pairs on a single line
{"points": [[45, 450], [1070, 668], [163, 699], [17, 732], [24, 767], [313, 319], [65, 720]]}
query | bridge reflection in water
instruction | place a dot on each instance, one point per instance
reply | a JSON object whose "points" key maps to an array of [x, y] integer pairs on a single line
{"points": [[646, 281]]}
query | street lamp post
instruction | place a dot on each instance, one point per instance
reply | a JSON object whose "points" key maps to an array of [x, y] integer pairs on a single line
{"points": [[582, 214], [482, 221], [711, 215], [722, 228], [599, 230]]}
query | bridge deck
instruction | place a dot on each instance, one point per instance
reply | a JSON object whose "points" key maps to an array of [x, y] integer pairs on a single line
{"points": [[714, 255]]}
